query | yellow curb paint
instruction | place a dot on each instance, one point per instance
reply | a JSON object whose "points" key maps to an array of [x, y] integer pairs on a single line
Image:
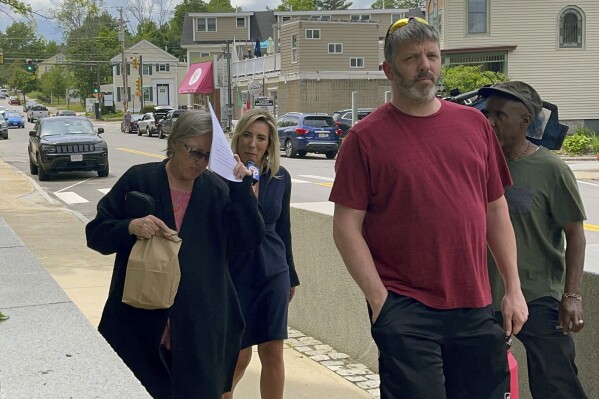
{"points": [[591, 227], [148, 154]]}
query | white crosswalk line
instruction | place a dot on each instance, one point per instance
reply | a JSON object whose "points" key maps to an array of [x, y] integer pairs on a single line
{"points": [[104, 190], [70, 197], [299, 181], [318, 177]]}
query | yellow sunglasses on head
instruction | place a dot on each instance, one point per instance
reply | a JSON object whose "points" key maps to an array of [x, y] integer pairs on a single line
{"points": [[400, 23]]}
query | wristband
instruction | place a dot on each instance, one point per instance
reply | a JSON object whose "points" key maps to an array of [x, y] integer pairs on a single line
{"points": [[578, 297]]}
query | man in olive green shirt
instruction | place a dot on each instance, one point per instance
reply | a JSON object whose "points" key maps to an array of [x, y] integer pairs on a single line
{"points": [[547, 214]]}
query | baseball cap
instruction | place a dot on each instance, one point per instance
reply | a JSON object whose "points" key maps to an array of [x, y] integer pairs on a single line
{"points": [[520, 91]]}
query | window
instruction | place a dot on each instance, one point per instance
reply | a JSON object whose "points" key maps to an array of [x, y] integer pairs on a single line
{"points": [[356, 62], [293, 49], [204, 55], [146, 69], [148, 93], [119, 94], [488, 61], [477, 16], [335, 48], [285, 19], [570, 28], [118, 69], [360, 17], [48, 68], [206, 24], [395, 17], [59, 59], [313, 34], [162, 67], [320, 18], [240, 22]]}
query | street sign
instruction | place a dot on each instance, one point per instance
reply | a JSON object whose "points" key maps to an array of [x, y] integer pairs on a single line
{"points": [[255, 87], [266, 103]]}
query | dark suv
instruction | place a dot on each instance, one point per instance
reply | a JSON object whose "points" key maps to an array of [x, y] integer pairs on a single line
{"points": [[66, 143], [165, 125], [301, 133], [343, 118]]}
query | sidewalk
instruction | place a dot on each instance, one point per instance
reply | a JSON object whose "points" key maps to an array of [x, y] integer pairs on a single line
{"points": [[55, 236]]}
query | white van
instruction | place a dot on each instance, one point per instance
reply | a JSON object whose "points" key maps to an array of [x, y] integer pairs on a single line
{"points": [[3, 93]]}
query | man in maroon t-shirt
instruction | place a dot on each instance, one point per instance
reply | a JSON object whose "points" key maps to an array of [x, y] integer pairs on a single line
{"points": [[418, 196]]}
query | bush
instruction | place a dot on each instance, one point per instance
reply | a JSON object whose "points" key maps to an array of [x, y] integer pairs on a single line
{"points": [[576, 144], [594, 143]]}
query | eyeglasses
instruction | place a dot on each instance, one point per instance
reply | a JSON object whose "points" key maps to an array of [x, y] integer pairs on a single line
{"points": [[196, 155], [400, 23]]}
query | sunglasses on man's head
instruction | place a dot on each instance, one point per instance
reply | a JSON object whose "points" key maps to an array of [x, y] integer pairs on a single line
{"points": [[400, 23], [196, 154]]}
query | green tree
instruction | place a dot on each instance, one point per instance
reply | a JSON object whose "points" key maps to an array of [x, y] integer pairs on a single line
{"points": [[332, 4], [220, 6], [21, 42], [20, 79], [389, 4], [469, 77], [89, 48], [296, 5], [55, 82], [149, 31], [71, 15], [7, 7]]}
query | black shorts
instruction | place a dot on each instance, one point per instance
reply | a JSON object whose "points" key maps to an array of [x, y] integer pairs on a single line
{"points": [[426, 353]]}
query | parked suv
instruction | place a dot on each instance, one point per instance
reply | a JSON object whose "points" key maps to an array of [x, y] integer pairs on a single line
{"points": [[300, 133], [165, 125], [343, 118]]}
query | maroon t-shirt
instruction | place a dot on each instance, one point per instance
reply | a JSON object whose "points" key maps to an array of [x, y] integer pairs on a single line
{"points": [[425, 183]]}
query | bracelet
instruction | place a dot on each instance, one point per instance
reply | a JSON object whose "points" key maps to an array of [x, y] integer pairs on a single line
{"points": [[578, 297]]}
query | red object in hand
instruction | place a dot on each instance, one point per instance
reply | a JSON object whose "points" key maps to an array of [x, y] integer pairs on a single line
{"points": [[513, 376]]}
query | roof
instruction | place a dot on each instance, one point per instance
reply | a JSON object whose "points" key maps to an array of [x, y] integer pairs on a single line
{"points": [[148, 49], [261, 25]]}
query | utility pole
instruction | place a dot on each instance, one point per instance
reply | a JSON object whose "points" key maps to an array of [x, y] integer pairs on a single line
{"points": [[141, 79], [229, 105], [124, 92]]}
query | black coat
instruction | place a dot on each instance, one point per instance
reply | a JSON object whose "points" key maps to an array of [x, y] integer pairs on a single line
{"points": [[205, 321]]}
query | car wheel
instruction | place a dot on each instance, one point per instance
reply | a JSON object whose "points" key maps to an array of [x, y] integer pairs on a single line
{"points": [[289, 149], [331, 154], [42, 175], [138, 131], [104, 172], [148, 132], [32, 167]]}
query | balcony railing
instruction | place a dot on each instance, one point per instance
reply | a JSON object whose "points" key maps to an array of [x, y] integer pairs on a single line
{"points": [[256, 65]]}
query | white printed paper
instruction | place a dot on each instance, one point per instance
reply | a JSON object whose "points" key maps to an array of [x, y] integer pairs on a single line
{"points": [[221, 161]]}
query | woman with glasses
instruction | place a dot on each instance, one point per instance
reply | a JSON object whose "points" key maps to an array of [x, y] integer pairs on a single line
{"points": [[189, 350], [265, 277]]}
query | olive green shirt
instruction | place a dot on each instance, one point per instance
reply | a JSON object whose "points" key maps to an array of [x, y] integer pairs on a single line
{"points": [[543, 199]]}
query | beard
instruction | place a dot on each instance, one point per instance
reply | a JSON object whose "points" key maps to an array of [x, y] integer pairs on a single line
{"points": [[413, 90]]}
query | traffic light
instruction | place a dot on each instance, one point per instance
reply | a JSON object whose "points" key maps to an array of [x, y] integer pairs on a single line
{"points": [[30, 67], [134, 63], [96, 88], [1, 57], [138, 87]]}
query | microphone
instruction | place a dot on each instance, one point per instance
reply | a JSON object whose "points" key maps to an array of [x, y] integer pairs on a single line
{"points": [[251, 165]]}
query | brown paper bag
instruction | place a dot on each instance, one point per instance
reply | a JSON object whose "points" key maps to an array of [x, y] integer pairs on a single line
{"points": [[153, 272]]}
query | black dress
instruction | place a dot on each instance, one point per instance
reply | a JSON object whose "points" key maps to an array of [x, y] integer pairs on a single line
{"points": [[205, 321], [263, 276]]}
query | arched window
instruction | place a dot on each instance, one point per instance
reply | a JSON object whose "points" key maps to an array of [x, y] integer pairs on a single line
{"points": [[571, 28]]}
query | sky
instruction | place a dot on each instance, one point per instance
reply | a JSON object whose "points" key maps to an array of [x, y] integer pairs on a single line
{"points": [[48, 29]]}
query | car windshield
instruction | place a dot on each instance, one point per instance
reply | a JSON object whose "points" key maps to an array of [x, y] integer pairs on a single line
{"points": [[136, 117], [12, 115], [53, 127], [319, 121]]}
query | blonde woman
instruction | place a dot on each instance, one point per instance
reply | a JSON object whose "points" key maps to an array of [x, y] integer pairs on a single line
{"points": [[265, 278]]}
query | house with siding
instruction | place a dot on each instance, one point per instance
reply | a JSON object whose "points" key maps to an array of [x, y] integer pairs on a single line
{"points": [[311, 60], [49, 64], [160, 75], [553, 45]]}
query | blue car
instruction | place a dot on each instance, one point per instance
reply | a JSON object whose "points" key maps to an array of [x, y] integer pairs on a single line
{"points": [[300, 133], [14, 119]]}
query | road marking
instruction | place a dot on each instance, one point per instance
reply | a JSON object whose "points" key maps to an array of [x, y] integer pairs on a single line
{"points": [[591, 227], [73, 185], [586, 182], [331, 179], [325, 184], [324, 207], [297, 181], [104, 190], [148, 154], [70, 197]]}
